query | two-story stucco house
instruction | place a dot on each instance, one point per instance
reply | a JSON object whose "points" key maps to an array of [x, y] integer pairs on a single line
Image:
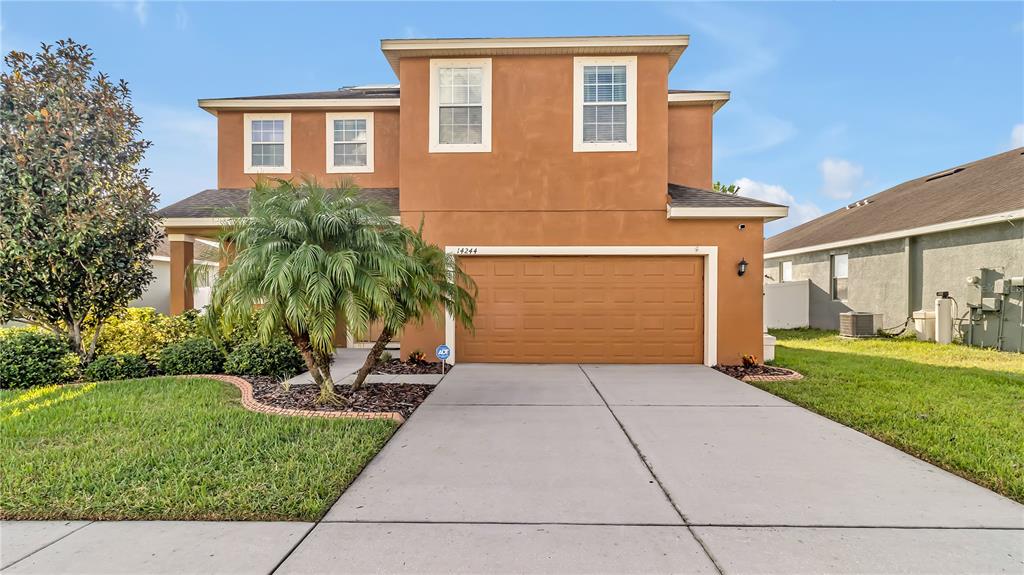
{"points": [[571, 182]]}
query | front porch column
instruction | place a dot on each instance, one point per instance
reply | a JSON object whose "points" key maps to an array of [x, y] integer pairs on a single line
{"points": [[182, 252]]}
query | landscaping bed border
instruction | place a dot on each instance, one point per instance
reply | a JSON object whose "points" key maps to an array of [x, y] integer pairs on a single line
{"points": [[250, 403]]}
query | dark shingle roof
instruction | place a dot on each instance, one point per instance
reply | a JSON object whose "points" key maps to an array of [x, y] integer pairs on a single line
{"points": [[988, 186], [687, 197], [360, 92], [227, 202]]}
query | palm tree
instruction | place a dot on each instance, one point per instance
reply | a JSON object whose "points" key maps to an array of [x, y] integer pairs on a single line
{"points": [[432, 285], [305, 256]]}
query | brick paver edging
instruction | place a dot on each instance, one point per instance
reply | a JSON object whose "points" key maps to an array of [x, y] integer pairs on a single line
{"points": [[791, 376], [250, 403]]}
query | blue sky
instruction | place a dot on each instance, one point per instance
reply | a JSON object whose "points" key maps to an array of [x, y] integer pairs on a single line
{"points": [[831, 101]]}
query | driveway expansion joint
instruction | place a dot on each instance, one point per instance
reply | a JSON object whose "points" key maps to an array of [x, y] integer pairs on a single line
{"points": [[650, 470], [62, 537]]}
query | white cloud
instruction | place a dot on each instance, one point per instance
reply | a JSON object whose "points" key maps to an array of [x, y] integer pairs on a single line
{"points": [[184, 153], [1017, 136], [755, 132], [799, 212], [841, 178], [140, 9], [181, 17]]}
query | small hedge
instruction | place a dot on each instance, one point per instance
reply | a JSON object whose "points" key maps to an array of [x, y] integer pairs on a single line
{"points": [[192, 356], [30, 357], [117, 366], [143, 331], [277, 359]]}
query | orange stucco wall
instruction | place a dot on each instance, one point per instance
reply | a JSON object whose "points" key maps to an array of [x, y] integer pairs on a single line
{"points": [[532, 189], [689, 145], [532, 165], [309, 149], [739, 298]]}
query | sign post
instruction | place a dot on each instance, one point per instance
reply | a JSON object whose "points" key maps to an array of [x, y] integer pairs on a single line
{"points": [[443, 352]]}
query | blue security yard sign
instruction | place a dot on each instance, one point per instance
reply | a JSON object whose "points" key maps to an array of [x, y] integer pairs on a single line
{"points": [[443, 352]]}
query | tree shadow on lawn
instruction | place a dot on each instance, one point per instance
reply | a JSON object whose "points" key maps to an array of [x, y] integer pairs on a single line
{"points": [[967, 420]]}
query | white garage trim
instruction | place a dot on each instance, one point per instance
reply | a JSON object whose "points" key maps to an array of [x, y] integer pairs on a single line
{"points": [[710, 254]]}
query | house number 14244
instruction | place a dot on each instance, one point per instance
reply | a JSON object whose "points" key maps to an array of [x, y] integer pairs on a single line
{"points": [[466, 251]]}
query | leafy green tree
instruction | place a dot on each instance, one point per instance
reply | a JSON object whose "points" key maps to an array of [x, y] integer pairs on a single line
{"points": [[77, 217], [433, 283], [721, 188]]}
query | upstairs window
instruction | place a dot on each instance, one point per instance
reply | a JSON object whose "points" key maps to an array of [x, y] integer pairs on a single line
{"points": [[349, 142], [840, 272], [267, 143], [604, 117], [460, 105]]}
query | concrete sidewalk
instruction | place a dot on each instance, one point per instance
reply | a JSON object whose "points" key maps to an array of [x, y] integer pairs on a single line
{"points": [[592, 469]]}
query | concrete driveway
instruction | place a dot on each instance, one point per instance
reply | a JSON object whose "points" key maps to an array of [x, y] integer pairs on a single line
{"points": [[590, 469], [595, 468]]}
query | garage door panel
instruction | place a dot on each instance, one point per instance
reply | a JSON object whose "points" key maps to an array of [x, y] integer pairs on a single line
{"points": [[601, 309]]}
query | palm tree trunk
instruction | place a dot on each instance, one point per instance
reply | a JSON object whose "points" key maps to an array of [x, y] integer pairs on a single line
{"points": [[372, 358]]}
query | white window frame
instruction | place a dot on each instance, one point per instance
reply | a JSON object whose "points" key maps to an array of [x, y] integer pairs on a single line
{"points": [[329, 124], [433, 143], [578, 145], [709, 253], [833, 277], [251, 169], [782, 271]]}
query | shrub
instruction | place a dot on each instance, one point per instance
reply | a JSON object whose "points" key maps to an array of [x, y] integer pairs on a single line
{"points": [[143, 331], [417, 356], [278, 359], [385, 356], [192, 356], [117, 366], [750, 360], [30, 357]]}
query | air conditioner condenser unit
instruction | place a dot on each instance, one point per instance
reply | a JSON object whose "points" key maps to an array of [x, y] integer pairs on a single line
{"points": [[859, 324]]}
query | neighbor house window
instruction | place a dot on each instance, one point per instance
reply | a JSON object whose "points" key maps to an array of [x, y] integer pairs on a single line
{"points": [[460, 105], [604, 117], [840, 271], [349, 142], [786, 271], [268, 143]]}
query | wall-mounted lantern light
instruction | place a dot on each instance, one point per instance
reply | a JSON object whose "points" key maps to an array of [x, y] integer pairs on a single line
{"points": [[742, 267]]}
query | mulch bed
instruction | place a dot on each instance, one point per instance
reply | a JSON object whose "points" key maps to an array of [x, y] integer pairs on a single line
{"points": [[402, 398], [399, 367], [758, 372]]}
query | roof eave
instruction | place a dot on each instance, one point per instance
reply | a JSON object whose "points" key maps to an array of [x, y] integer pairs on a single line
{"points": [[767, 213], [212, 105], [716, 99], [395, 50], [907, 233]]}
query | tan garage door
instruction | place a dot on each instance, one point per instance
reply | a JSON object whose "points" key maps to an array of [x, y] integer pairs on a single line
{"points": [[593, 309]]}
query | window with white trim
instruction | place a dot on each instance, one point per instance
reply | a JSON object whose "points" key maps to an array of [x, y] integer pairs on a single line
{"points": [[840, 273], [460, 105], [267, 143], [786, 271], [604, 99], [349, 142]]}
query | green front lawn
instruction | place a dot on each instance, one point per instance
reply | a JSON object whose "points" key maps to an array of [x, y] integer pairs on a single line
{"points": [[169, 448], [957, 407]]}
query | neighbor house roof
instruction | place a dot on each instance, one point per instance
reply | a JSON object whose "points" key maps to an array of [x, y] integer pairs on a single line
{"points": [[229, 202], [987, 190], [688, 202]]}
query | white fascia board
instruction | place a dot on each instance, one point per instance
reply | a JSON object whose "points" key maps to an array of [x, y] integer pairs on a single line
{"points": [[195, 222], [769, 213], [911, 232], [716, 99], [197, 262], [539, 43], [211, 105]]}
